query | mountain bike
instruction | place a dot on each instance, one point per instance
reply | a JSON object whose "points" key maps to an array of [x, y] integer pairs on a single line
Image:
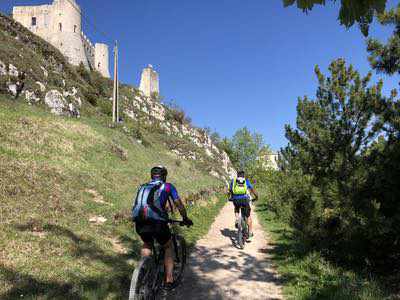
{"points": [[148, 277], [243, 229]]}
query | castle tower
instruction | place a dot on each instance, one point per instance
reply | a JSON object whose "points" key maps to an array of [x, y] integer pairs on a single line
{"points": [[149, 82], [101, 59], [66, 31]]}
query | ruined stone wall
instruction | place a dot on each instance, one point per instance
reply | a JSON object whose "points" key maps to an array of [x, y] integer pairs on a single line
{"points": [[61, 25], [24, 15], [90, 51], [101, 59], [149, 82]]}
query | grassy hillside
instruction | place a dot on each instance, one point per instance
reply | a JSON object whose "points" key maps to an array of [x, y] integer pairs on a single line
{"points": [[55, 174], [66, 184], [26, 58]]}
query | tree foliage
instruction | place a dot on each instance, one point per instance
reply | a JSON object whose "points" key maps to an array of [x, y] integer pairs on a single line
{"points": [[246, 150], [385, 58], [339, 187], [351, 11]]}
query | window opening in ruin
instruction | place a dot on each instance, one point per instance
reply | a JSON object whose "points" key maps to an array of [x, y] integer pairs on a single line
{"points": [[60, 26], [74, 28], [98, 66], [33, 21]]}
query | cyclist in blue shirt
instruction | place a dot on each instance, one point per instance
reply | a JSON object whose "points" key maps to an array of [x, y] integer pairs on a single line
{"points": [[151, 216], [239, 189]]}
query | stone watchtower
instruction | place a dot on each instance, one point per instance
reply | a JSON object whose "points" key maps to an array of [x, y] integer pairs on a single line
{"points": [[149, 82], [60, 24]]}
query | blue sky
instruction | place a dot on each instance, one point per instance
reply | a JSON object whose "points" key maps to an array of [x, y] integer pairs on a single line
{"points": [[228, 63]]}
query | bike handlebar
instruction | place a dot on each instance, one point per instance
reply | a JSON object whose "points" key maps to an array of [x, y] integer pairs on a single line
{"points": [[180, 222]]}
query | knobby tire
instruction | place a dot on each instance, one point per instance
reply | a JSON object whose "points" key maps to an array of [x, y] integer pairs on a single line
{"points": [[142, 280], [240, 233]]}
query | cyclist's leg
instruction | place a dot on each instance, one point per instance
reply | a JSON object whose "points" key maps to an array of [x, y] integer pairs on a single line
{"points": [[236, 210], [163, 237], [249, 219], [169, 262], [145, 233]]}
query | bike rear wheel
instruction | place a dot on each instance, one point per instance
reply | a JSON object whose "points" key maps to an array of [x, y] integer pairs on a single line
{"points": [[180, 256], [143, 280], [240, 236]]}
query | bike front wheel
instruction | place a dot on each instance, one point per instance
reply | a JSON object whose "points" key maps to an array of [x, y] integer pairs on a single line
{"points": [[142, 280], [240, 235]]}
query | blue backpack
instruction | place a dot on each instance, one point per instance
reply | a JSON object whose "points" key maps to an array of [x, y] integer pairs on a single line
{"points": [[147, 206]]}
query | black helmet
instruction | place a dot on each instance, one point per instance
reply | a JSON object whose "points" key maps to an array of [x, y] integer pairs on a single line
{"points": [[159, 172], [241, 173]]}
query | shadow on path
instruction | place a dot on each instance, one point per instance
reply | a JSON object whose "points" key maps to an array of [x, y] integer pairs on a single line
{"points": [[76, 286], [232, 235], [208, 266]]}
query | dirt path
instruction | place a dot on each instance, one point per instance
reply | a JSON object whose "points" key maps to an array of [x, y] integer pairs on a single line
{"points": [[218, 270]]}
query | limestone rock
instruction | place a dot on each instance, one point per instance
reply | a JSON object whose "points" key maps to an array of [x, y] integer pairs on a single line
{"points": [[55, 100], [98, 220], [73, 111], [31, 97], [3, 69], [59, 105], [12, 88], [12, 70], [42, 87], [45, 73]]}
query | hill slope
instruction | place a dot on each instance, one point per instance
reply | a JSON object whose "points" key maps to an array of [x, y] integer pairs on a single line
{"points": [[66, 183], [47, 80]]}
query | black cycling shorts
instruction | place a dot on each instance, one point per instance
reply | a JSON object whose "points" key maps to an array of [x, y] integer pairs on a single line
{"points": [[149, 232], [245, 204]]}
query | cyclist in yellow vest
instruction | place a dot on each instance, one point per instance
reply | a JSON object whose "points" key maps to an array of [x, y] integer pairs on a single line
{"points": [[239, 188]]}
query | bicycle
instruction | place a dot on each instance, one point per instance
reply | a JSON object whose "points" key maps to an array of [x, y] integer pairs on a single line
{"points": [[148, 277], [243, 228]]}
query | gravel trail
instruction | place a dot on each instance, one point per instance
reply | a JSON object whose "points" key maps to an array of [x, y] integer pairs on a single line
{"points": [[218, 270]]}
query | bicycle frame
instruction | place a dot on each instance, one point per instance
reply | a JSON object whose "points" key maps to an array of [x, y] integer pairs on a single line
{"points": [[158, 254], [243, 228], [155, 266]]}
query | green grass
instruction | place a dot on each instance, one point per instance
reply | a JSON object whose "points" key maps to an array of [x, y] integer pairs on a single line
{"points": [[52, 170], [306, 275]]}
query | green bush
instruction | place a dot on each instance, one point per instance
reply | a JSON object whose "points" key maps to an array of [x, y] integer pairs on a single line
{"points": [[176, 114], [105, 107], [90, 96]]}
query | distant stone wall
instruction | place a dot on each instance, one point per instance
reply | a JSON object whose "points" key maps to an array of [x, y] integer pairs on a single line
{"points": [[270, 161], [61, 25]]}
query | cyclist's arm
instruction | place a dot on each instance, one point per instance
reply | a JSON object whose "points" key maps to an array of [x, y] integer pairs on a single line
{"points": [[254, 193], [181, 208]]}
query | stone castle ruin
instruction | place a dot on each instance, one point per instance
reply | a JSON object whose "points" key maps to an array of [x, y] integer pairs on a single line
{"points": [[149, 82], [60, 24]]}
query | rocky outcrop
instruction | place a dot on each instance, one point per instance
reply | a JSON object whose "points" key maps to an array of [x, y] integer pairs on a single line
{"points": [[140, 106], [65, 102], [59, 105]]}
